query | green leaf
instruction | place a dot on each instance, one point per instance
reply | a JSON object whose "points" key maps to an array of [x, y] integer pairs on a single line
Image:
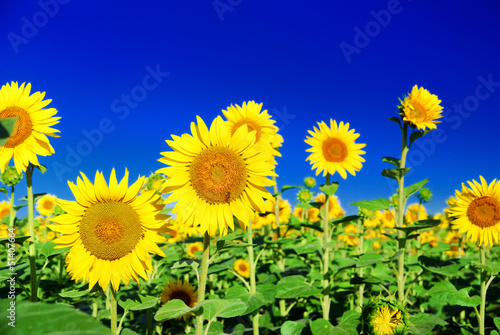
{"points": [[126, 331], [307, 248], [396, 119], [329, 189], [288, 187], [445, 291], [416, 135], [145, 302], [373, 205], [369, 258], [324, 327], [42, 168], [294, 287], [174, 309], [497, 322], [74, 293], [396, 162], [18, 240], [50, 319], [6, 128], [8, 272], [223, 244], [4, 190], [223, 308], [395, 174], [409, 190], [418, 225], [225, 265], [292, 328], [492, 267], [344, 219], [48, 249], [253, 301], [424, 323], [216, 328]]}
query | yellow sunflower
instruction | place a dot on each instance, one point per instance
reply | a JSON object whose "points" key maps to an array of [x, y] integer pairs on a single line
{"points": [[335, 210], [252, 115], [477, 211], [111, 230], [415, 212], [32, 126], [214, 175], [194, 247], [421, 109], [178, 289], [4, 209], [312, 214], [45, 205], [4, 230], [242, 267], [285, 212], [350, 239], [385, 320], [333, 149]]}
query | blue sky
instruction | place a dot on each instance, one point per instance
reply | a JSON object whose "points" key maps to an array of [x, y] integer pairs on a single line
{"points": [[125, 77]]}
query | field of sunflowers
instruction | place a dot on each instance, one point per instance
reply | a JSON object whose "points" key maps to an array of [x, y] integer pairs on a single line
{"points": [[210, 243]]}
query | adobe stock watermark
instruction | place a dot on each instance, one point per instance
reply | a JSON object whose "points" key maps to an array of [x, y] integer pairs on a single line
{"points": [[223, 6], [122, 107], [30, 26], [11, 281], [426, 145], [373, 28]]}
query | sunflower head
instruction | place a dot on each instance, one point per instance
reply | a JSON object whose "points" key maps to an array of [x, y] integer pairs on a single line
{"points": [[111, 230], [335, 210], [32, 126], [333, 149], [215, 174], [384, 317], [154, 182], [242, 267], [476, 211], [10, 176], [421, 109], [192, 248], [179, 289], [415, 212], [304, 195], [46, 204]]}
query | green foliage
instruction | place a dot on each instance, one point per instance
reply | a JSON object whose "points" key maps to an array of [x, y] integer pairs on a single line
{"points": [[373, 205]]}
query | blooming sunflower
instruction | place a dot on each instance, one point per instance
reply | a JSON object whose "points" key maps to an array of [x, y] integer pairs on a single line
{"points": [[111, 230], [4, 209], [333, 149], [415, 212], [177, 289], [252, 115], [477, 211], [284, 211], [214, 175], [29, 137], [334, 208], [194, 247], [242, 267], [385, 320], [45, 205], [421, 109], [349, 237]]}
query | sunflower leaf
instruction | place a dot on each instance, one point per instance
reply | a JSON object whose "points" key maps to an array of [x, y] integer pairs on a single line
{"points": [[446, 291], [146, 302], [288, 187], [396, 119], [223, 308], [416, 135], [373, 205], [424, 323], [395, 174], [18, 240], [294, 287], [174, 309], [4, 190], [329, 189], [223, 244], [409, 190], [344, 219], [421, 224], [396, 162], [221, 266], [6, 128], [48, 249], [292, 328], [42, 168]]}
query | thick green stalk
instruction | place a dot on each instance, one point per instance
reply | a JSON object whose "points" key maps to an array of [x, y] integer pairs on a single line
{"points": [[12, 211], [326, 259], [253, 286], [400, 215], [281, 259], [360, 271], [31, 227], [114, 310], [482, 307], [202, 284]]}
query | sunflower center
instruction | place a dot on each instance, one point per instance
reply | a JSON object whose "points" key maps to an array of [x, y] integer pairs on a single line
{"points": [[22, 128], [484, 212], [110, 230], [182, 295], [218, 175], [251, 126], [47, 205], [334, 150], [243, 267], [418, 111]]}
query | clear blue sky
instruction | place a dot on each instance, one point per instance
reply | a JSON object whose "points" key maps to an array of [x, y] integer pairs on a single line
{"points": [[128, 76]]}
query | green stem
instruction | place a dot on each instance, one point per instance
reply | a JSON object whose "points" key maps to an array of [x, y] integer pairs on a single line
{"points": [[12, 212], [360, 251], [400, 215], [114, 310], [326, 259], [31, 227], [202, 284], [253, 286], [281, 260], [483, 292]]}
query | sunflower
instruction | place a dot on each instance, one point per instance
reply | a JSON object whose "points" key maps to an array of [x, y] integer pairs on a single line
{"points": [[194, 247], [385, 320], [415, 212], [421, 109], [477, 211], [333, 149], [111, 230], [335, 210], [4, 230], [45, 205], [251, 115], [349, 237], [242, 267], [177, 289], [284, 212], [4, 209], [29, 137], [214, 175]]}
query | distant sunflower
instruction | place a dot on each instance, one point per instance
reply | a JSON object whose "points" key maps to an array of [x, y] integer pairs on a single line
{"points": [[477, 211], [349, 236], [242, 267], [4, 230], [415, 212], [111, 230], [335, 210], [45, 205], [214, 175], [4, 209], [421, 109], [385, 320], [178, 289], [284, 211], [194, 247], [252, 115], [29, 137], [333, 149]]}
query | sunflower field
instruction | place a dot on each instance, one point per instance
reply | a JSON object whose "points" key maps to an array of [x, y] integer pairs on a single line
{"points": [[211, 244]]}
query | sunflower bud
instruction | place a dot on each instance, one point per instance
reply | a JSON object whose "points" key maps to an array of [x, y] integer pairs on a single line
{"points": [[10, 176], [309, 182], [304, 196]]}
